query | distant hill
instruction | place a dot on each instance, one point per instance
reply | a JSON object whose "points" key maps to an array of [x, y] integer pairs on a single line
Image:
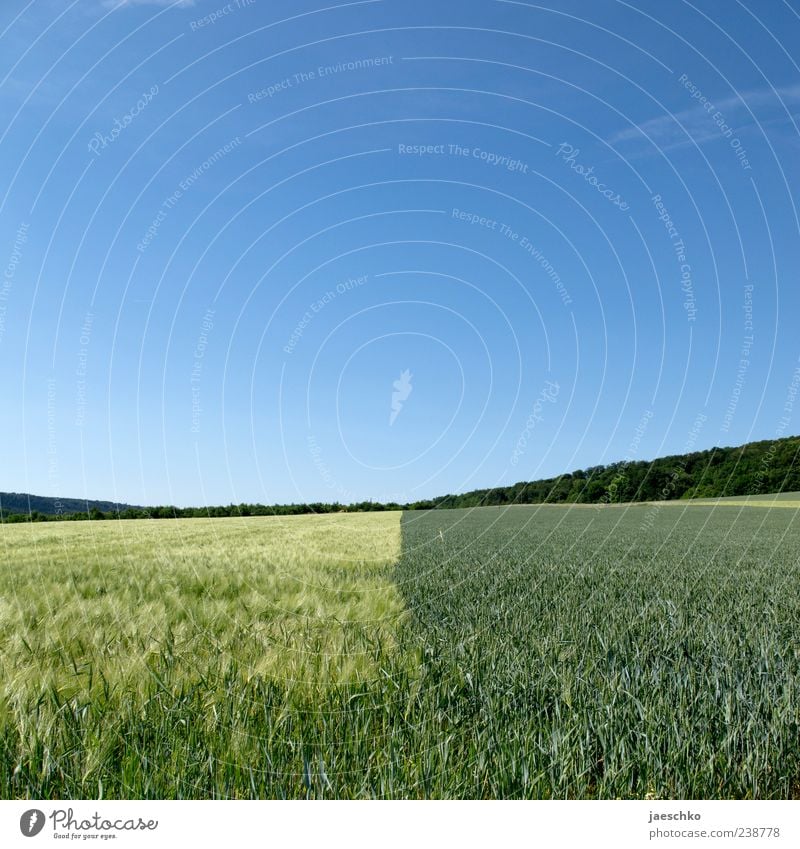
{"points": [[757, 468], [20, 502]]}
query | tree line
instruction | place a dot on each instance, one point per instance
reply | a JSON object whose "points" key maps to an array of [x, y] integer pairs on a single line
{"points": [[769, 466]]}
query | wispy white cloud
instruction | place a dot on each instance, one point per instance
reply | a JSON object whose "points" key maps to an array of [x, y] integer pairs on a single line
{"points": [[111, 4], [696, 125]]}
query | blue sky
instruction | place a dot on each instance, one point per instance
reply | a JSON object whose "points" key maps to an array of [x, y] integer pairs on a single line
{"points": [[228, 230]]}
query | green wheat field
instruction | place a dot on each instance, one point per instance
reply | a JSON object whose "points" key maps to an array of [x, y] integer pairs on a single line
{"points": [[646, 651]]}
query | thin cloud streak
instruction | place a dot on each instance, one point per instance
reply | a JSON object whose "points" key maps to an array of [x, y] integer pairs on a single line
{"points": [[115, 4], [696, 126]]}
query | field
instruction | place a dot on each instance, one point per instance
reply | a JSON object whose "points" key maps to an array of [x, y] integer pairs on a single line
{"points": [[781, 499], [520, 652], [160, 658]]}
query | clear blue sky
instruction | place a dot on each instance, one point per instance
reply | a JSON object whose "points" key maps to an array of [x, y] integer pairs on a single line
{"points": [[226, 231]]}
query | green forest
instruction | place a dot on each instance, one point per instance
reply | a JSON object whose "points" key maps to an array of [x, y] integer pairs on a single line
{"points": [[757, 468], [769, 466]]}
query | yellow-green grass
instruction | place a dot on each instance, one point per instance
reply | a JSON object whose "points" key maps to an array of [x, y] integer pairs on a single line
{"points": [[305, 600], [743, 502], [790, 500]]}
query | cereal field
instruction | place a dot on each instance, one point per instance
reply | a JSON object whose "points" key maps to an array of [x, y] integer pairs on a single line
{"points": [[512, 652]]}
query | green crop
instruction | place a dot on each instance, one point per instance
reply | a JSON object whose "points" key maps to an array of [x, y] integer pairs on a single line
{"points": [[521, 652], [611, 652]]}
